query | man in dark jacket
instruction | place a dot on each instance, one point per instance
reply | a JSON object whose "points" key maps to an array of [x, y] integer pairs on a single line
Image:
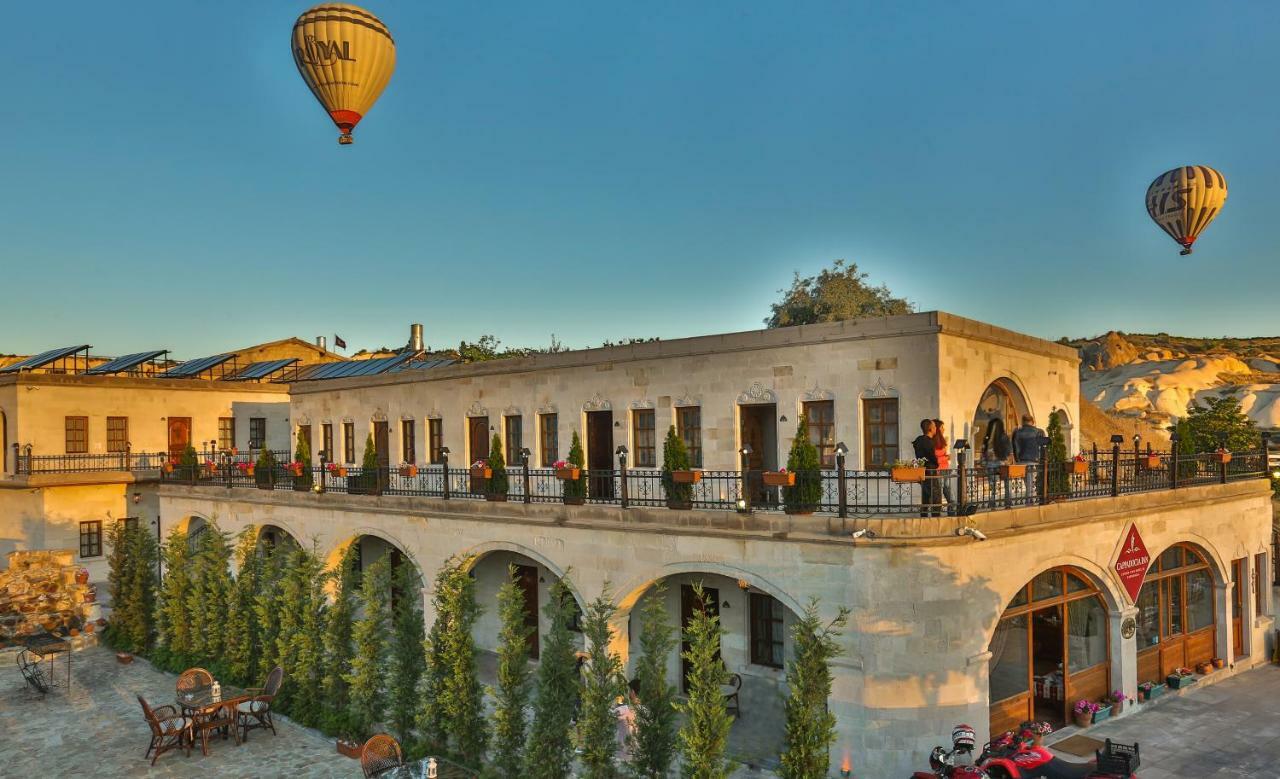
{"points": [[924, 449], [1026, 448]]}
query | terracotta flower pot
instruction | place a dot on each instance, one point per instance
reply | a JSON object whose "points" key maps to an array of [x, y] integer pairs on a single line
{"points": [[82, 576], [1013, 471], [409, 471], [1222, 457], [481, 473], [1077, 467], [1218, 662], [124, 658], [1082, 720]]}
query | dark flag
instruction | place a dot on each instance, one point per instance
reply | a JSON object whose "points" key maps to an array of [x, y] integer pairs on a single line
{"points": [[338, 342]]}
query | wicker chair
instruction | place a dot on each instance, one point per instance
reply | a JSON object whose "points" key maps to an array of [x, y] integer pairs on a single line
{"points": [[380, 754], [193, 680], [169, 730], [256, 712], [730, 692]]}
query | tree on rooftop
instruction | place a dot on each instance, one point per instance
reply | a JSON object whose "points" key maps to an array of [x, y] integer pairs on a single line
{"points": [[653, 744], [188, 463], [602, 685], [1058, 480], [511, 695], [810, 726], [576, 488], [705, 734], [302, 455], [549, 753], [837, 293], [368, 677], [1219, 422]]}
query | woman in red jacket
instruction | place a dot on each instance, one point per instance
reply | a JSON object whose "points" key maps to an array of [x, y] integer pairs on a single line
{"points": [[944, 465]]}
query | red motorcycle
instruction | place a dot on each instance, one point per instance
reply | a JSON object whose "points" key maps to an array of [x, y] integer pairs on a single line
{"points": [[1015, 756], [956, 764]]}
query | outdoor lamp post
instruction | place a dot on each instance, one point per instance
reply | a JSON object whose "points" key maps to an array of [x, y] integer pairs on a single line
{"points": [[842, 487], [524, 473], [1117, 440], [962, 504], [444, 466], [744, 500], [621, 451], [324, 468]]}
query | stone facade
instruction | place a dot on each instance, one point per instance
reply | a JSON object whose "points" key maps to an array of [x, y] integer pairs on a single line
{"points": [[44, 591]]}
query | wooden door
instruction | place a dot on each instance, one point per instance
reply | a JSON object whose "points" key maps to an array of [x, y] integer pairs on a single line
{"points": [[478, 444], [527, 580], [1173, 653], [688, 604], [1239, 580], [600, 453], [759, 431], [179, 436]]}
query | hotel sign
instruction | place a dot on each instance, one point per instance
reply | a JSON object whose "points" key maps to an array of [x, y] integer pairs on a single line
{"points": [[1133, 563]]}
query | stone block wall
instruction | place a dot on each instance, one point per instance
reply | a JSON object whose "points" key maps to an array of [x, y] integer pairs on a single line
{"points": [[43, 591]]}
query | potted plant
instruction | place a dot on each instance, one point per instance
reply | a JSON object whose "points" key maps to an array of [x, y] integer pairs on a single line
{"points": [[1102, 712], [335, 469], [188, 464], [300, 468], [675, 459], [349, 747], [496, 487], [480, 469], [1205, 668], [366, 481], [566, 471], [1058, 482], [1218, 662], [1152, 462], [806, 494], [82, 576], [245, 469], [1180, 678], [909, 471], [124, 658], [1222, 455], [1118, 699], [574, 490], [264, 475], [779, 478], [1038, 731], [1078, 466], [1082, 712]]}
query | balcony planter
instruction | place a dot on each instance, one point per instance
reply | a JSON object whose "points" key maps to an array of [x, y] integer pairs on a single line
{"points": [[568, 474], [1152, 462], [124, 658], [1102, 714], [778, 479], [679, 505], [686, 477], [907, 475], [263, 480], [1178, 682], [168, 467], [1013, 471], [82, 576], [481, 473], [408, 471], [574, 500], [363, 484], [1222, 457], [1077, 467], [1154, 692]]}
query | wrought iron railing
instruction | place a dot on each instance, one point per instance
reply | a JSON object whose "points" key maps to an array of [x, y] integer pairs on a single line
{"points": [[26, 463], [960, 491]]}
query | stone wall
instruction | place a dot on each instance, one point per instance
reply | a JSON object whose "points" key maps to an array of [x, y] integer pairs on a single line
{"points": [[43, 591]]}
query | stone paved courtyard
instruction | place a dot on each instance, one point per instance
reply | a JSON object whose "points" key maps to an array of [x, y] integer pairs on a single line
{"points": [[1228, 730]]}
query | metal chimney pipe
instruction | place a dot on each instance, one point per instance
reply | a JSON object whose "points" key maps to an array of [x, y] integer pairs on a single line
{"points": [[322, 342], [415, 338]]}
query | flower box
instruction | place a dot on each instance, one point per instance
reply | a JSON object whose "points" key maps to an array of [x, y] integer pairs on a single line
{"points": [[1177, 682], [295, 469], [1013, 471], [778, 479], [249, 471], [1151, 692], [481, 473], [686, 477], [1222, 457], [679, 505], [348, 748], [1077, 467], [168, 467], [907, 475], [569, 474], [1103, 713], [1152, 462], [338, 471], [408, 471]]}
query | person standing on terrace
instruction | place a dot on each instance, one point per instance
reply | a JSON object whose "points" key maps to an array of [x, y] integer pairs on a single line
{"points": [[925, 449]]}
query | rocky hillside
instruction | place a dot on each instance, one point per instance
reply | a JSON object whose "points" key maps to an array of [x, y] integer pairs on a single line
{"points": [[1145, 382]]}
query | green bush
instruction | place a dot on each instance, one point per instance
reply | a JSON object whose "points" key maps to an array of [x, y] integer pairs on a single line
{"points": [[264, 468], [803, 461], [303, 455], [576, 488], [1059, 484], [498, 482], [188, 464], [675, 457]]}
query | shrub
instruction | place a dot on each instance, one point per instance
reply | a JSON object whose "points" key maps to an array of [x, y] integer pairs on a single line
{"points": [[498, 483], [803, 461], [511, 695], [653, 744], [302, 454], [1057, 458], [705, 734], [675, 457], [549, 754], [810, 726], [576, 488]]}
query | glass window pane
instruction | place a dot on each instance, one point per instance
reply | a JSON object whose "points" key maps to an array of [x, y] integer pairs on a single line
{"points": [[1046, 585], [1172, 558], [1076, 584], [1086, 634], [1148, 615], [1199, 600], [1173, 606], [1018, 600], [1009, 675]]}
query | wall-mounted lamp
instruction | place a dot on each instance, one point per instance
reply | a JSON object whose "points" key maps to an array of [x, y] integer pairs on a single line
{"points": [[617, 424], [137, 498], [961, 444], [542, 580], [743, 584], [724, 605], [841, 449], [1117, 439], [865, 532], [444, 450], [745, 450], [782, 418]]}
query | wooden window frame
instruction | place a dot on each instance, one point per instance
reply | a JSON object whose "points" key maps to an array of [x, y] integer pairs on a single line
{"points": [[257, 432], [1259, 584], [226, 433], [408, 441], [117, 435], [435, 440], [77, 436], [90, 538], [1156, 574], [513, 423], [889, 451], [644, 440], [348, 442], [822, 434], [768, 630], [689, 428], [326, 441], [548, 439]]}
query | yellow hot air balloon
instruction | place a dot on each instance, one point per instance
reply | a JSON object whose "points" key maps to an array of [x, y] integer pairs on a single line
{"points": [[1183, 201], [346, 55]]}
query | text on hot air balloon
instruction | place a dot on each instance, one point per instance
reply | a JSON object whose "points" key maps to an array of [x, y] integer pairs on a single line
{"points": [[1167, 201], [318, 52]]}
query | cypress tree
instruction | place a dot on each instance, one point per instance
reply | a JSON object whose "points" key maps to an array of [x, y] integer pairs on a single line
{"points": [[576, 488], [705, 733], [1057, 458], [675, 457], [810, 727], [302, 455], [338, 630], [302, 646], [549, 753], [368, 677], [131, 581], [213, 563], [602, 685], [188, 464], [290, 607], [653, 744], [266, 605], [406, 650], [806, 494], [453, 715], [241, 644], [512, 693], [498, 484], [174, 627]]}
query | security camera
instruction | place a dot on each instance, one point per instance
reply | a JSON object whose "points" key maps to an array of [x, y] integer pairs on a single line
{"points": [[865, 532], [972, 532]]}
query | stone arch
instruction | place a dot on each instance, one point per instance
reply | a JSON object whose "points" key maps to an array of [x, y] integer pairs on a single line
{"points": [[1004, 398], [277, 532], [339, 550], [1098, 576], [1218, 565], [628, 595]]}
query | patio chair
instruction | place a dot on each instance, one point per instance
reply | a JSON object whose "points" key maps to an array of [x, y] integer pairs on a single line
{"points": [[29, 665], [169, 730], [730, 692], [380, 754], [256, 712], [194, 679]]}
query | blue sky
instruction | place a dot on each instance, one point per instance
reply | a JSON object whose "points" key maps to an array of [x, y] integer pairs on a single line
{"points": [[608, 170]]}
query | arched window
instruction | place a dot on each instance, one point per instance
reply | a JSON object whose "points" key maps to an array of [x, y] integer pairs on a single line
{"points": [[1001, 400], [1049, 650], [1176, 613]]}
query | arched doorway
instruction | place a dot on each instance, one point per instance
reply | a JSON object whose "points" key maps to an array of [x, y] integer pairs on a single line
{"points": [[275, 537], [1050, 649], [535, 579], [1177, 616], [1000, 400]]}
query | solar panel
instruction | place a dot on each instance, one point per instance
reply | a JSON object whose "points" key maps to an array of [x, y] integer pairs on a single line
{"points": [[421, 365], [125, 363], [261, 370], [42, 359], [195, 367], [346, 369]]}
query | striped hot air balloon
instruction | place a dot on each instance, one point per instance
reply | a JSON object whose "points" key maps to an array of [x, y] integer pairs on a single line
{"points": [[346, 55], [1183, 201]]}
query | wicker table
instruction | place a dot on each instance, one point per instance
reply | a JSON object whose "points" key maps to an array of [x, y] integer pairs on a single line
{"points": [[418, 770], [201, 707]]}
